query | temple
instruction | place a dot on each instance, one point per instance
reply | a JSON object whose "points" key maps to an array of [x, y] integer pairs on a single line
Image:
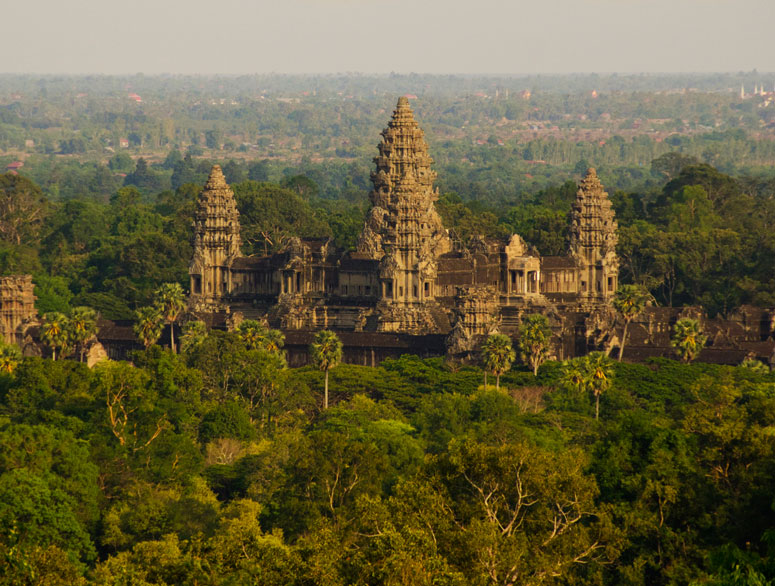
{"points": [[407, 276]]}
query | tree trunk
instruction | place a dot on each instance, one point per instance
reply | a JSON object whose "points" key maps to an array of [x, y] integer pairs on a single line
{"points": [[53, 354], [325, 392], [172, 337], [497, 382], [485, 379], [535, 367], [624, 339], [597, 405]]}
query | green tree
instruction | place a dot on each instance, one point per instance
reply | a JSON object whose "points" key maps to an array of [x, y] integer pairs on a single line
{"points": [[171, 301], [10, 356], [326, 353], [629, 301], [589, 374], [43, 515], [688, 339], [498, 355], [194, 333], [55, 332], [259, 337], [148, 325], [22, 209], [83, 327], [534, 340]]}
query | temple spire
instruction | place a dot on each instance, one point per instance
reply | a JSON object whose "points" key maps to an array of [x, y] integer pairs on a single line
{"points": [[403, 229], [593, 237], [216, 241]]}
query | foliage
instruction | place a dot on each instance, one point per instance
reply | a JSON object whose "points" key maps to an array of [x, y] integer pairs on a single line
{"points": [[688, 339], [629, 301], [497, 355], [534, 340], [589, 374], [57, 333], [170, 302], [258, 337], [148, 326], [326, 353], [10, 356]]}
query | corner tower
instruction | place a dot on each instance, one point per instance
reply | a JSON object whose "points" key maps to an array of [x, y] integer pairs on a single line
{"points": [[593, 240], [403, 230], [216, 242]]}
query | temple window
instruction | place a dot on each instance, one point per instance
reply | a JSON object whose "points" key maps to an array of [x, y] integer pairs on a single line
{"points": [[196, 284]]}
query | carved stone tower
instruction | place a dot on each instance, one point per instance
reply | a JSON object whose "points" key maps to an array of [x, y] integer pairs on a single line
{"points": [[216, 243], [593, 240], [403, 229]]}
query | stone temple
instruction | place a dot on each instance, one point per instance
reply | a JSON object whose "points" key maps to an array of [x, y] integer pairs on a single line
{"points": [[407, 276]]}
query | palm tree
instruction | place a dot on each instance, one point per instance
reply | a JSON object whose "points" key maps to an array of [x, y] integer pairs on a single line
{"points": [[688, 339], [148, 325], [326, 352], [592, 373], [55, 332], [629, 302], [257, 336], [194, 333], [171, 302], [83, 326], [498, 355], [10, 356], [534, 337], [273, 341], [600, 373]]}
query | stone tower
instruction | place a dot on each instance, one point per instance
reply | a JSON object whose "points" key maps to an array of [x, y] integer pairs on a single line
{"points": [[216, 243], [403, 229], [593, 240]]}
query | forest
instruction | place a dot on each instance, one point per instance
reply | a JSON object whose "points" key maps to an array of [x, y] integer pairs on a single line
{"points": [[221, 465]]}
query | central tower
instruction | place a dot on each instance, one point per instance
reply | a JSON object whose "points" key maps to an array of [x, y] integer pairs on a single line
{"points": [[593, 240], [403, 230], [216, 243]]}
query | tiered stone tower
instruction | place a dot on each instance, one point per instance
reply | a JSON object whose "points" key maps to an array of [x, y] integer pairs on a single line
{"points": [[593, 240], [216, 243], [17, 306], [403, 230]]}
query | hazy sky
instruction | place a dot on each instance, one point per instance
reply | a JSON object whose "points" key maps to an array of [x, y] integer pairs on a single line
{"points": [[370, 36]]}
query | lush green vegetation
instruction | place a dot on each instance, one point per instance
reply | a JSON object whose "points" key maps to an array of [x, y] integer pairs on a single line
{"points": [[220, 466]]}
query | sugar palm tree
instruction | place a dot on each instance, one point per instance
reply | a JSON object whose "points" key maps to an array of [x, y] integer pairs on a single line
{"points": [[148, 325], [688, 339], [498, 355], [326, 352], [55, 332], [629, 302], [600, 373], [10, 356], [534, 338], [589, 374], [171, 301], [83, 326], [257, 336]]}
